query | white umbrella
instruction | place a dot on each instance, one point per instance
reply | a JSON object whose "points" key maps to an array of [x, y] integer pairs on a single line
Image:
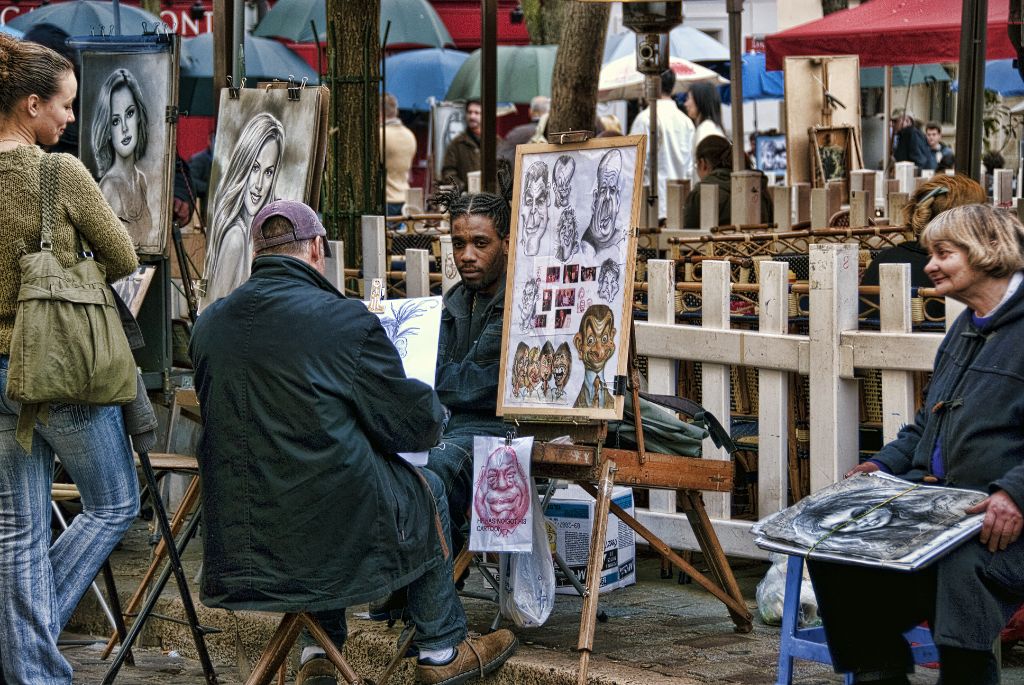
{"points": [[619, 79]]}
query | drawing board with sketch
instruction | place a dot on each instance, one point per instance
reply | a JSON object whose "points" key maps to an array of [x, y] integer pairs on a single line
{"points": [[569, 287], [125, 139], [266, 149], [873, 520]]}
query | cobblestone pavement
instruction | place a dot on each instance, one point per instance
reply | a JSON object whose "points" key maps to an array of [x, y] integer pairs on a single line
{"points": [[153, 666], [658, 631]]}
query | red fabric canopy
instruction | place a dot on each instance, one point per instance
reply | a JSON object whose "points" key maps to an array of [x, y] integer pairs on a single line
{"points": [[891, 32]]}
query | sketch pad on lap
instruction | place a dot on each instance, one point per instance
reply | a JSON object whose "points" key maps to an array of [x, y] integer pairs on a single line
{"points": [[873, 520], [413, 326]]}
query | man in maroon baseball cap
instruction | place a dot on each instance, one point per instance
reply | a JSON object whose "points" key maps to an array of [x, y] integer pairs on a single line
{"points": [[287, 221], [306, 504]]}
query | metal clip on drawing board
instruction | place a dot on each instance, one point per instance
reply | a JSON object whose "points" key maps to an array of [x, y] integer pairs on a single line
{"points": [[294, 88], [566, 137], [233, 89]]}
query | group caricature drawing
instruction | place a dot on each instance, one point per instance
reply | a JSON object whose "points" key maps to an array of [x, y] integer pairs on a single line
{"points": [[570, 277]]}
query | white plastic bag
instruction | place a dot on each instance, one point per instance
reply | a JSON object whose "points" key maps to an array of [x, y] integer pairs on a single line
{"points": [[528, 594], [771, 594]]}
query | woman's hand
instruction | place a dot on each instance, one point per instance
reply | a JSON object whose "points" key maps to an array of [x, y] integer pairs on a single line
{"points": [[1003, 520], [866, 467]]}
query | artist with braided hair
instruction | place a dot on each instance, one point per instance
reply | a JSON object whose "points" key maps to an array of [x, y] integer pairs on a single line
{"points": [[931, 199], [469, 352]]}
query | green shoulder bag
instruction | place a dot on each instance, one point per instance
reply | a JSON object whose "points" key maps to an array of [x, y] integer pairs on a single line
{"points": [[68, 344]]}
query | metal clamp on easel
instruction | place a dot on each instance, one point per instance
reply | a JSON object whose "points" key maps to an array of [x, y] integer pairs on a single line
{"points": [[569, 137], [233, 89], [295, 88]]}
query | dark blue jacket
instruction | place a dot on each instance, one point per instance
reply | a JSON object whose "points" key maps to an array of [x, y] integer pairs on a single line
{"points": [[975, 404], [912, 146], [469, 360], [304, 402]]}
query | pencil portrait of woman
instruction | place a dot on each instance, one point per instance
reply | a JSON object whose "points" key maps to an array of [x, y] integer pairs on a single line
{"points": [[246, 187], [120, 134]]}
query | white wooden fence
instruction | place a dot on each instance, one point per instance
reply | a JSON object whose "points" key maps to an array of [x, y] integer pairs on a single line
{"points": [[829, 354]]}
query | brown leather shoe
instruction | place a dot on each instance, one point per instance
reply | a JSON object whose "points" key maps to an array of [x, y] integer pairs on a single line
{"points": [[475, 657], [317, 671]]}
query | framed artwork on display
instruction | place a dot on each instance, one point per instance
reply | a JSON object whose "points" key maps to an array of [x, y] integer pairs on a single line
{"points": [[575, 209], [126, 139], [834, 153]]}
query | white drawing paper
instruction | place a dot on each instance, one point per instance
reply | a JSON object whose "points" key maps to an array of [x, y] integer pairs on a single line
{"points": [[414, 327]]}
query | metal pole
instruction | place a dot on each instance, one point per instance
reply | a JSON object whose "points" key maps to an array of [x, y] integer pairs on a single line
{"points": [[887, 120], [971, 97], [223, 12], [117, 17], [735, 9], [238, 42], [488, 93], [653, 95]]}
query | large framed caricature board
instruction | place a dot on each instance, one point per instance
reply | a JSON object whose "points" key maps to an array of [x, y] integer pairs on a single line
{"points": [[569, 287], [126, 137]]}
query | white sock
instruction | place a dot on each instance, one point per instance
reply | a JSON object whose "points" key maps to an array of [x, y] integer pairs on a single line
{"points": [[310, 653], [437, 656]]}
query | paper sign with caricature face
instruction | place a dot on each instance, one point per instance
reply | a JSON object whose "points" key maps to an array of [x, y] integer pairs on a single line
{"points": [[502, 506]]}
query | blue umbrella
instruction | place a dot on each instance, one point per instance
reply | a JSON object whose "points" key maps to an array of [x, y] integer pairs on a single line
{"points": [[684, 41], [265, 60], [758, 83], [1001, 77], [417, 75], [4, 28], [85, 17]]}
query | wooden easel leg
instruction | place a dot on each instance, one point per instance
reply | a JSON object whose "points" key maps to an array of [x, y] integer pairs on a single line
{"points": [[333, 653], [276, 651], [732, 603], [186, 507], [693, 506], [588, 618], [399, 655]]}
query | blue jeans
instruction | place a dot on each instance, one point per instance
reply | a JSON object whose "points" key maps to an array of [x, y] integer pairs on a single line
{"points": [[40, 582], [452, 461], [434, 607]]}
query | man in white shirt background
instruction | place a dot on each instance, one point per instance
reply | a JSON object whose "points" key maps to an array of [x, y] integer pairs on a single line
{"points": [[675, 138]]}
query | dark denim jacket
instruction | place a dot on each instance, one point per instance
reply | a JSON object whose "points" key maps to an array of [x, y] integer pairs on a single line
{"points": [[468, 362]]}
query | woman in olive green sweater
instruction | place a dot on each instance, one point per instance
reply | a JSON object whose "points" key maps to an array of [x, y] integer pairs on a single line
{"points": [[41, 583]]}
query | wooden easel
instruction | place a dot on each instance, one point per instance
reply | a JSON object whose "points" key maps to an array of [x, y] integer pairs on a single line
{"points": [[597, 468]]}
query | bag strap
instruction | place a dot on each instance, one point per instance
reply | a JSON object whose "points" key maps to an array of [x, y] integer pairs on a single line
{"points": [[718, 434], [49, 184]]}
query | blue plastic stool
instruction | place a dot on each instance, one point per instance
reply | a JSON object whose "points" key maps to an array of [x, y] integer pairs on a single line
{"points": [[810, 643]]}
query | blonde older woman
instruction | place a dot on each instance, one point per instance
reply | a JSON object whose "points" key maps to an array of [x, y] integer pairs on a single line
{"points": [[969, 434]]}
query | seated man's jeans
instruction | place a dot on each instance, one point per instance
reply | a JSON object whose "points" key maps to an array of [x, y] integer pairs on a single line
{"points": [[434, 607], [452, 461], [40, 582]]}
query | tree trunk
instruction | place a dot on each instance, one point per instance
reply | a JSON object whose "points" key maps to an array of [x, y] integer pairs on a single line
{"points": [[830, 6], [353, 180], [544, 20], [577, 67]]}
